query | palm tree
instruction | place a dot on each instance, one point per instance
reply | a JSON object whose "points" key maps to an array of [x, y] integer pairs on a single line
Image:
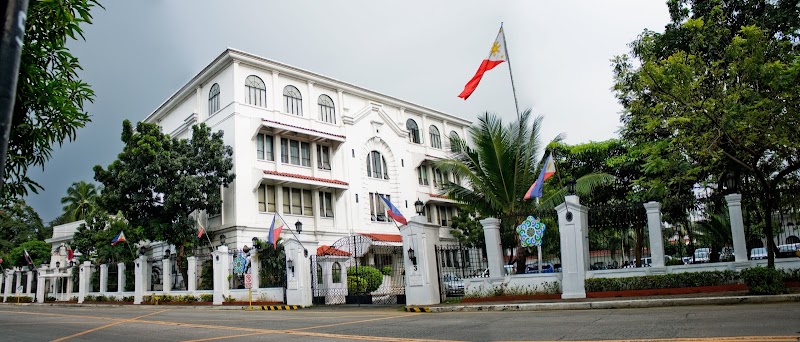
{"points": [[714, 232], [80, 200], [499, 169]]}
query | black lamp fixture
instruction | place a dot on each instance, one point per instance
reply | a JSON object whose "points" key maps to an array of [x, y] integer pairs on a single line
{"points": [[255, 243], [571, 186], [419, 206], [222, 240], [730, 184], [166, 254], [71, 263], [290, 265], [58, 264], [298, 226], [413, 257]]}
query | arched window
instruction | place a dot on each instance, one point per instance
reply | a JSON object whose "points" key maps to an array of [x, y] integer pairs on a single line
{"points": [[376, 166], [336, 272], [327, 112], [454, 139], [213, 99], [292, 101], [436, 139], [413, 131], [319, 274], [255, 92]]}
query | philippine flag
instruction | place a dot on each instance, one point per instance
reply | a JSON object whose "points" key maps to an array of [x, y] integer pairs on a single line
{"points": [[275, 230], [394, 213], [548, 169], [120, 238], [497, 55]]}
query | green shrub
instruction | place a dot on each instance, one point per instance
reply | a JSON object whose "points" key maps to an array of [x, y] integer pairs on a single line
{"points": [[188, 299], [206, 297], [764, 280], [663, 281], [127, 299], [89, 298], [22, 299], [791, 275], [673, 262], [386, 270], [363, 279]]}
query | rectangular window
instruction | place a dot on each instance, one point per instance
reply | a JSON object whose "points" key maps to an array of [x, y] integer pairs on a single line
{"points": [[297, 206], [305, 151], [297, 202], [378, 208], [325, 204], [422, 175], [429, 213], [438, 179], [445, 215], [323, 157], [295, 152], [308, 208], [264, 149], [284, 150], [266, 198], [381, 260]]}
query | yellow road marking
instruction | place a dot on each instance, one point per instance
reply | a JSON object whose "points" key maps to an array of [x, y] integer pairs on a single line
{"points": [[345, 323], [224, 337], [106, 326]]}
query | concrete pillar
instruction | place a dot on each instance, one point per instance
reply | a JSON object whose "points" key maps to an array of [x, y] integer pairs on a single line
{"points": [[573, 225], [255, 269], [139, 274], [121, 277], [18, 280], [166, 275], [9, 284], [422, 280], [737, 230], [656, 239], [28, 281], [494, 247], [191, 283], [84, 276], [298, 277], [40, 284], [221, 266], [68, 279], [103, 279]]}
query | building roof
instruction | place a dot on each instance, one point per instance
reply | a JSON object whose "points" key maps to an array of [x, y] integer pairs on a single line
{"points": [[384, 237], [328, 250], [305, 129], [294, 175]]}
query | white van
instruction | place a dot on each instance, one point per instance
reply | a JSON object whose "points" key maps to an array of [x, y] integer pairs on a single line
{"points": [[702, 255]]}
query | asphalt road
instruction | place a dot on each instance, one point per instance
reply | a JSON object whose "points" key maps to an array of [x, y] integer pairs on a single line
{"points": [[762, 322]]}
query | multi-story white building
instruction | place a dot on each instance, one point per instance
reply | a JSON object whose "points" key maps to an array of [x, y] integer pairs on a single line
{"points": [[316, 150]]}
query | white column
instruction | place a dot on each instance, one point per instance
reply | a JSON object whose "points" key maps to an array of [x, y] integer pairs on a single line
{"points": [[737, 229], [277, 94], [255, 269], [121, 277], [40, 284], [298, 277], [166, 275], [68, 279], [9, 284], [422, 280], [309, 111], [656, 239], [221, 266], [28, 281], [18, 280], [573, 224], [494, 248], [139, 274], [83, 280], [191, 283], [103, 279]]}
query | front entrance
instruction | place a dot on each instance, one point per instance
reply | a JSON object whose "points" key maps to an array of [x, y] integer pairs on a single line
{"points": [[358, 270], [455, 263]]}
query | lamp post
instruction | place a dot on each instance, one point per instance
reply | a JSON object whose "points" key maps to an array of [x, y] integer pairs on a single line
{"points": [[571, 186], [222, 240], [255, 243], [298, 226], [419, 206]]}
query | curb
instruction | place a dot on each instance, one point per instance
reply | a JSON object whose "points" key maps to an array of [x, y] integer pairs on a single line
{"points": [[621, 304], [417, 309], [272, 307]]}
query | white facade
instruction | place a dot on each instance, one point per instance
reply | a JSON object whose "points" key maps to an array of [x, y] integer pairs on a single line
{"points": [[332, 197]]}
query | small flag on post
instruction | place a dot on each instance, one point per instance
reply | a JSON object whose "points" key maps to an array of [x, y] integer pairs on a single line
{"points": [[548, 169], [120, 238], [393, 212], [497, 55], [275, 230], [27, 257], [201, 231]]}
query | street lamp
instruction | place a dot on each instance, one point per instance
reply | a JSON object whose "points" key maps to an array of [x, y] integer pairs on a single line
{"points": [[222, 240], [571, 186], [58, 264], [166, 254], [298, 226], [290, 265], [413, 257], [255, 243], [419, 206]]}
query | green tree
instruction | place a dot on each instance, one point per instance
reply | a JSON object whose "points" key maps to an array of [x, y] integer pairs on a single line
{"points": [[48, 107], [499, 169], [19, 223], [38, 250], [93, 238], [158, 182], [80, 200]]}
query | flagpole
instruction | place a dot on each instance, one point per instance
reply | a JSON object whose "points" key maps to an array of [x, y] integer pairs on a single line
{"points": [[508, 58], [291, 230]]}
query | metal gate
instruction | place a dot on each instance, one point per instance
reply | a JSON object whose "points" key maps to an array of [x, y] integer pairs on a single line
{"points": [[456, 262], [358, 270]]}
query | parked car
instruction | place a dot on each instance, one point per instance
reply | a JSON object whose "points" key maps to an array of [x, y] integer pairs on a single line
{"points": [[788, 251], [701, 255], [534, 267], [454, 284], [758, 253]]}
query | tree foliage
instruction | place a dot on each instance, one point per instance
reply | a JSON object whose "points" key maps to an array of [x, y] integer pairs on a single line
{"points": [[48, 107], [81, 200], [19, 223], [93, 238], [38, 250], [717, 95]]}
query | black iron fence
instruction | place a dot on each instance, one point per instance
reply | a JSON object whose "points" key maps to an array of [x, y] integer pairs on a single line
{"points": [[456, 262], [618, 237], [785, 217], [697, 231]]}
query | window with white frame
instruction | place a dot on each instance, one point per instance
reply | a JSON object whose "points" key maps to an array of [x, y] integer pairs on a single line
{"points": [[255, 92], [297, 202], [376, 166], [319, 274], [454, 138], [445, 215], [292, 101], [436, 139], [323, 157], [413, 131], [336, 272], [377, 208], [438, 178], [325, 204], [422, 175], [428, 213], [213, 99], [266, 198], [327, 112], [264, 147], [295, 152]]}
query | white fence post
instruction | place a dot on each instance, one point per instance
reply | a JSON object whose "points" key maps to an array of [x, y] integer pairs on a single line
{"points": [[422, 280], [221, 266], [573, 226], [121, 277], [103, 279], [656, 238], [83, 280], [191, 283], [40, 284], [9, 284], [737, 230], [494, 247], [139, 279], [166, 275], [255, 269], [298, 282]]}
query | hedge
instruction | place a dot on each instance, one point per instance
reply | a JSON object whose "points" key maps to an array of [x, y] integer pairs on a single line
{"points": [[663, 281]]}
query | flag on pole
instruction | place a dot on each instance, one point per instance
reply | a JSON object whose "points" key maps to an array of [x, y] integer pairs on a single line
{"points": [[120, 238], [394, 213], [497, 55], [548, 169], [201, 231], [27, 256], [275, 230]]}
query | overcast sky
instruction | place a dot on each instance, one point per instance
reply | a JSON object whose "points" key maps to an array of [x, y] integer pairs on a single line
{"points": [[138, 53]]}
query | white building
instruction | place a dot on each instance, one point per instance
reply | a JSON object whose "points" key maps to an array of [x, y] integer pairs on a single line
{"points": [[313, 149]]}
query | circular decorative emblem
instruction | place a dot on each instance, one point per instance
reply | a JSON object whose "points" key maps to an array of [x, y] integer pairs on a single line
{"points": [[531, 232], [239, 263]]}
